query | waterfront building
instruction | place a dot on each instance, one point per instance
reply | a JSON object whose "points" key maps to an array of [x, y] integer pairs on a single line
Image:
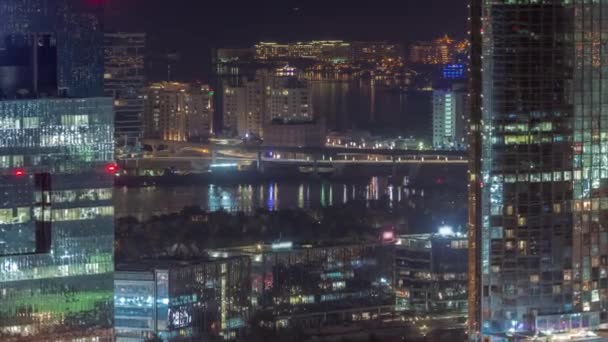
{"points": [[443, 50], [449, 117], [250, 103], [175, 300], [289, 97], [177, 111], [233, 55], [375, 51], [321, 50], [270, 50], [537, 185], [124, 81], [245, 105]]}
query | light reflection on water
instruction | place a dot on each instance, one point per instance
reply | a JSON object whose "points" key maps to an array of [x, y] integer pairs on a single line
{"points": [[147, 201]]}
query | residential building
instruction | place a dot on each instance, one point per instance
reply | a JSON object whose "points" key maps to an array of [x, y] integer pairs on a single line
{"points": [[124, 81], [175, 300], [178, 111], [289, 98], [250, 103], [245, 106], [449, 117], [537, 183]]}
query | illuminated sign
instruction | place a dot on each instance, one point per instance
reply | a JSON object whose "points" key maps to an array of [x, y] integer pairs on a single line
{"points": [[453, 71]]}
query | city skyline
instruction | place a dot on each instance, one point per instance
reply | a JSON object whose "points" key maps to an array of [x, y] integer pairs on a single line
{"points": [[303, 170], [193, 28]]}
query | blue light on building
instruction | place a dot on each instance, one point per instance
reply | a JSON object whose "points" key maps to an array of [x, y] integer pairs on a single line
{"points": [[453, 71]]}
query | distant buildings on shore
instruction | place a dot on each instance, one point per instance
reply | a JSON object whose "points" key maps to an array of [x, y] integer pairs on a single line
{"points": [[276, 96], [440, 51], [176, 111]]}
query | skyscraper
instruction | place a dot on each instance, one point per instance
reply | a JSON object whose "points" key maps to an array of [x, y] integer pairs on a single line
{"points": [[56, 170], [538, 175], [124, 80], [75, 31]]}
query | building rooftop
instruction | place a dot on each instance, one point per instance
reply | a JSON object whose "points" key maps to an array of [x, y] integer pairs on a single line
{"points": [[149, 265]]}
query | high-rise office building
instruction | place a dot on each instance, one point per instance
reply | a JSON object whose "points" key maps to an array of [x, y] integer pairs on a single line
{"points": [[177, 111], [431, 273], [182, 300], [56, 218], [538, 175], [72, 28], [56, 165], [449, 117], [124, 80]]}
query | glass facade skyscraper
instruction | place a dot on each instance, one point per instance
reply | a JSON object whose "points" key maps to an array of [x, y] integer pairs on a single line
{"points": [[56, 211], [538, 179], [56, 218], [124, 80], [77, 36]]}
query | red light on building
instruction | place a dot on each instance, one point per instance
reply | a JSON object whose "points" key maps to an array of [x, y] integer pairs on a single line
{"points": [[112, 168], [19, 172]]}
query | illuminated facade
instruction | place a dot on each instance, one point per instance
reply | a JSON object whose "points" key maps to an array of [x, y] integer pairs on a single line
{"points": [[375, 51], [56, 219], [454, 71], [449, 118], [177, 111], [444, 50], [322, 50], [249, 104], [311, 286], [538, 175], [431, 274], [244, 105], [182, 300], [124, 79], [289, 98], [77, 33]]}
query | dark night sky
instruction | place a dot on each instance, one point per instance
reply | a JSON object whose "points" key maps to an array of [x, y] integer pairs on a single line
{"points": [[193, 27]]}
